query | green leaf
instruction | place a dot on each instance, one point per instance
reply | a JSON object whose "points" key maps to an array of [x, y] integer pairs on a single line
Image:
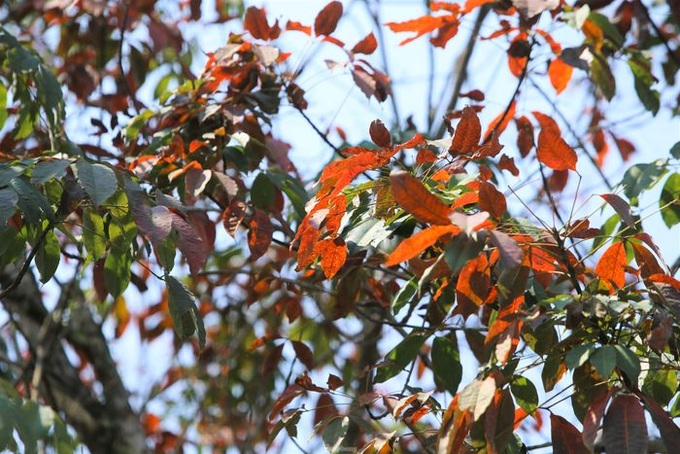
{"points": [[525, 393], [47, 257], [12, 246], [98, 180], [642, 177], [609, 30], [48, 169], [661, 384], [628, 362], [117, 271], [669, 203], [49, 89], [135, 126], [8, 204], [604, 360], [602, 76], [643, 83], [293, 189], [446, 365], [32, 203], [7, 174], [460, 250], [368, 232], [675, 150], [263, 192], [94, 237], [183, 311], [335, 433], [405, 295], [3, 109], [399, 357], [578, 355]]}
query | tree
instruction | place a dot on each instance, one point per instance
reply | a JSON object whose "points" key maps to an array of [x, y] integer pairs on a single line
{"points": [[342, 309]]}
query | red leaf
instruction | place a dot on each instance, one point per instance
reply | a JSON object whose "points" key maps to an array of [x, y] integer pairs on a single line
{"points": [[560, 74], [621, 207], [612, 264], [472, 4], [327, 19], [285, 398], [498, 124], [566, 439], [468, 133], [325, 408], [334, 382], [518, 55], [259, 234], [626, 147], [670, 433], [297, 26], [525, 135], [333, 254], [593, 418], [417, 243], [506, 163], [492, 200], [256, 23], [553, 151], [379, 134], [625, 428], [190, 243], [367, 46], [475, 95], [416, 200], [304, 354], [271, 362]]}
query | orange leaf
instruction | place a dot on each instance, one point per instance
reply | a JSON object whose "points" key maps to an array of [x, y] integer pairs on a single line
{"points": [[468, 133], [416, 200], [506, 163], [367, 46], [419, 26], [553, 151], [327, 19], [297, 26], [499, 123], [472, 4], [525, 136], [455, 427], [259, 234], [417, 243], [560, 74], [612, 263], [491, 200], [333, 254], [474, 280]]}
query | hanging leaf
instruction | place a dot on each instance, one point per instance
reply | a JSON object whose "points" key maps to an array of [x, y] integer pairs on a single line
{"points": [[602, 75], [525, 135], [399, 357], [94, 238], [8, 205], [48, 256], [98, 180], [335, 432], [669, 202], [604, 360], [477, 396], [621, 207], [612, 265], [260, 231], [255, 22], [553, 151], [379, 134], [446, 365], [566, 439], [467, 135], [560, 74], [327, 19], [416, 200], [525, 394], [492, 200], [185, 315], [625, 428], [670, 433]]}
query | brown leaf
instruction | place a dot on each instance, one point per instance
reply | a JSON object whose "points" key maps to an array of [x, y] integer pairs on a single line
{"points": [[593, 419], [259, 234], [525, 135], [670, 433], [367, 46], [379, 134], [416, 200], [285, 398], [492, 200], [625, 428], [334, 382], [566, 439], [327, 19], [256, 23], [507, 163], [303, 354], [468, 133], [621, 207]]}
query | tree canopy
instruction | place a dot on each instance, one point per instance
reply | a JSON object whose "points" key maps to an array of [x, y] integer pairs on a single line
{"points": [[474, 275]]}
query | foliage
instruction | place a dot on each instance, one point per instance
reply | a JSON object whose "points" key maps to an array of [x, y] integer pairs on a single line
{"points": [[353, 309]]}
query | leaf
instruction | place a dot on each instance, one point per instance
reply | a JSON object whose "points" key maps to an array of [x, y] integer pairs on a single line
{"points": [[669, 202], [379, 134], [32, 203], [532, 8], [185, 315], [492, 200], [578, 355], [327, 19], [399, 357], [553, 371], [259, 234], [304, 354], [604, 360], [367, 46], [511, 253], [190, 243], [602, 76], [416, 200], [625, 429], [255, 22], [117, 271], [477, 396], [660, 384], [94, 238], [7, 174], [642, 177], [628, 362], [446, 365], [335, 433], [47, 258], [474, 281], [593, 419], [560, 74], [405, 295], [47, 169], [263, 192], [333, 253], [525, 394], [553, 151], [98, 180], [621, 207], [566, 439], [454, 428], [525, 135], [419, 26], [612, 265], [670, 433], [467, 135], [8, 205]]}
